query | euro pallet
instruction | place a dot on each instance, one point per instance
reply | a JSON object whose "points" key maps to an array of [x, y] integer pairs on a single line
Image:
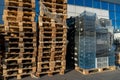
{"points": [[20, 71], [22, 50], [12, 3], [21, 9], [95, 70], [19, 39], [17, 13], [49, 73], [20, 59], [18, 18], [57, 58], [20, 44], [16, 76], [44, 59], [14, 56], [27, 4], [20, 66], [28, 1]]}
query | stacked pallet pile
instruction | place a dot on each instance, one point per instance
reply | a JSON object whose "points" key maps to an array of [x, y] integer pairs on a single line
{"points": [[52, 37], [2, 47], [117, 55], [2, 30], [1, 52], [92, 38], [117, 49], [20, 41], [118, 59]]}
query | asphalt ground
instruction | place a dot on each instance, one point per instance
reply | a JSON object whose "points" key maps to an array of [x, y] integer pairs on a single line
{"points": [[74, 75]]}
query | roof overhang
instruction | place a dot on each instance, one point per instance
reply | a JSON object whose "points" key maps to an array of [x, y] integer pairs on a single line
{"points": [[112, 1]]}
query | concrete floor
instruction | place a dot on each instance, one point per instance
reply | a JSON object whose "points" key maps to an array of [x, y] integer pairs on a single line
{"points": [[74, 75]]}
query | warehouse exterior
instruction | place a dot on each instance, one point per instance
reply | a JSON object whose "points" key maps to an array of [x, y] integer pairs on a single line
{"points": [[52, 31], [105, 8]]}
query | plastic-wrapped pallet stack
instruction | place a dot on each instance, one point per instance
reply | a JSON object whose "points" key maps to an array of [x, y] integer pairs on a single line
{"points": [[52, 37], [93, 50], [85, 41], [20, 41], [71, 44]]}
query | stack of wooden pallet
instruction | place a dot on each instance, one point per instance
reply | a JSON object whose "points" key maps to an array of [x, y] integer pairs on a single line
{"points": [[52, 37], [20, 41], [118, 58], [2, 47], [2, 30]]}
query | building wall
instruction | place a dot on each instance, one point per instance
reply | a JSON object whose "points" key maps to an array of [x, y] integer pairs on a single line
{"points": [[76, 10], [1, 10], [113, 8]]}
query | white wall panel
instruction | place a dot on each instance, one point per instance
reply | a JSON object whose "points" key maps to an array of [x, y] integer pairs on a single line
{"points": [[76, 10]]}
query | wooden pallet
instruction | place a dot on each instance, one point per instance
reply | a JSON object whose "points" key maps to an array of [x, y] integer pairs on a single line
{"points": [[16, 76], [22, 1], [58, 65], [10, 18], [30, 49], [29, 14], [51, 65], [43, 66], [17, 40], [117, 55], [27, 24], [61, 25], [17, 27], [27, 34], [12, 8], [2, 30], [27, 4], [17, 8], [17, 18], [43, 49], [18, 14], [12, 3], [58, 58], [21, 44], [95, 70], [43, 59], [45, 19], [11, 13], [20, 61], [49, 73], [61, 1], [21, 50], [29, 1], [19, 55], [19, 67], [117, 62], [61, 36]]}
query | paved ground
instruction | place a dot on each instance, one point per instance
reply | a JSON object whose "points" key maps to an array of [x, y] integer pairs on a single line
{"points": [[74, 75]]}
